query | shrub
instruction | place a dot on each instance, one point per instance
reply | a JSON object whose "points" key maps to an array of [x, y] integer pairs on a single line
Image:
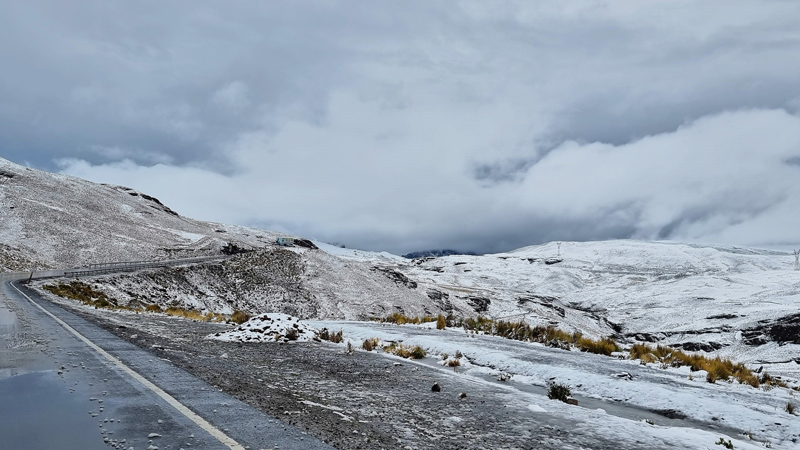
{"points": [[549, 336], [724, 443], [185, 313], [602, 347], [326, 335], [418, 352], [214, 317], [239, 317], [404, 351], [370, 344], [152, 308], [717, 368], [82, 292], [401, 319], [559, 391], [790, 408], [454, 363], [769, 380], [440, 322]]}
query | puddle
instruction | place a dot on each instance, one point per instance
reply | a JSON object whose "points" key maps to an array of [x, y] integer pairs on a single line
{"points": [[37, 411]]}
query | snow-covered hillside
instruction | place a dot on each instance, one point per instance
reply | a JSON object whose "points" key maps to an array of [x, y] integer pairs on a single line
{"points": [[307, 283], [736, 302], [52, 220]]}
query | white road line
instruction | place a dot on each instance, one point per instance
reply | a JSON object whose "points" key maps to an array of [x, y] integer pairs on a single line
{"points": [[191, 415]]}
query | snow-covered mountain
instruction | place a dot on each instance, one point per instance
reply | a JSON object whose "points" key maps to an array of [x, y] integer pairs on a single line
{"points": [[735, 302], [52, 220]]}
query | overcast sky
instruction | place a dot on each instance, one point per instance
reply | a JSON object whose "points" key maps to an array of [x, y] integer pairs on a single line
{"points": [[403, 126]]}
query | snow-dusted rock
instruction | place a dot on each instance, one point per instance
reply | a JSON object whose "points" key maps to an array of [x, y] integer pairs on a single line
{"points": [[270, 327]]}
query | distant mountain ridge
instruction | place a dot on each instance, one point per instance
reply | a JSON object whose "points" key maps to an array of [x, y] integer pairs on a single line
{"points": [[436, 253]]}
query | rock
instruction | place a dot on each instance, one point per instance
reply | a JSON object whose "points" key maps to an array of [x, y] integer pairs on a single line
{"points": [[783, 330], [305, 243], [698, 346], [396, 276], [436, 387], [462, 395], [479, 304], [153, 435], [572, 401]]}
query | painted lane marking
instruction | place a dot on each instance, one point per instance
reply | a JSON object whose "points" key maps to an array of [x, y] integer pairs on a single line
{"points": [[191, 415]]}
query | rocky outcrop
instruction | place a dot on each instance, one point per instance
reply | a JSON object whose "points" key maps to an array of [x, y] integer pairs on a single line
{"points": [[396, 276], [783, 330]]}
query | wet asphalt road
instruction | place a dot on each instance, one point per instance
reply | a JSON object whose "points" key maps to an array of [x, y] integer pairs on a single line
{"points": [[58, 392]]}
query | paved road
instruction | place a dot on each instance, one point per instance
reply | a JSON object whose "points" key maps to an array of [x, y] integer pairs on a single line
{"points": [[65, 383]]}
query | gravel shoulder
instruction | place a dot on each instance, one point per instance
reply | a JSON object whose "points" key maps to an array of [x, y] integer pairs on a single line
{"points": [[359, 400]]}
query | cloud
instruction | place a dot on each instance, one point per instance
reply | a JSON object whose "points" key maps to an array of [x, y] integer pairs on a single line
{"points": [[709, 180], [233, 96], [423, 124]]}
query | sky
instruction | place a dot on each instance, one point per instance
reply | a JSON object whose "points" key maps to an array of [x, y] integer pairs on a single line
{"points": [[403, 126]]}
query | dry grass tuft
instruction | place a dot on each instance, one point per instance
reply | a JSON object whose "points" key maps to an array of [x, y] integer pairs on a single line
{"points": [[404, 351], [550, 336], [370, 344], [718, 369], [185, 313], [327, 335], [239, 317], [402, 319], [82, 292]]}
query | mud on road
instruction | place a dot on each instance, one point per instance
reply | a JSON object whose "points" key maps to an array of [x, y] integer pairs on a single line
{"points": [[359, 400]]}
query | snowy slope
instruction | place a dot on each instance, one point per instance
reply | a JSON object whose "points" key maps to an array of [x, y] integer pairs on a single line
{"points": [[740, 303], [52, 220], [733, 301]]}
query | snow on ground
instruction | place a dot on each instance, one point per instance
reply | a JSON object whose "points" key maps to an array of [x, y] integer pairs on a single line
{"points": [[62, 221], [270, 327], [624, 389], [360, 255], [707, 297]]}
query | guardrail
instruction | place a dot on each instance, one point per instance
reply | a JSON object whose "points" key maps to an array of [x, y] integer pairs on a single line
{"points": [[130, 266]]}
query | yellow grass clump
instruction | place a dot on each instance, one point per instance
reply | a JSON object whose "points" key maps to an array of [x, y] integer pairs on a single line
{"points": [[716, 368], [404, 351]]}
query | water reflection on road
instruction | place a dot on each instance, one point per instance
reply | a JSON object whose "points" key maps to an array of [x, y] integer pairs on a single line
{"points": [[38, 411], [39, 407]]}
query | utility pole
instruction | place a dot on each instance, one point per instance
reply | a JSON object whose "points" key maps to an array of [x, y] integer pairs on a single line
{"points": [[559, 248], [797, 260]]}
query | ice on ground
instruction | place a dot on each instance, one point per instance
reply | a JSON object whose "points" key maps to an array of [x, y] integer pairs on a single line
{"points": [[269, 327]]}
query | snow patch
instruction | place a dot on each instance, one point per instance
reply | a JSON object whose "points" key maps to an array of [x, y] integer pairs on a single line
{"points": [[270, 327]]}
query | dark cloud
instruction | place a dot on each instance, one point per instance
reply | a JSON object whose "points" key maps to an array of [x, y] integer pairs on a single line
{"points": [[424, 124]]}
